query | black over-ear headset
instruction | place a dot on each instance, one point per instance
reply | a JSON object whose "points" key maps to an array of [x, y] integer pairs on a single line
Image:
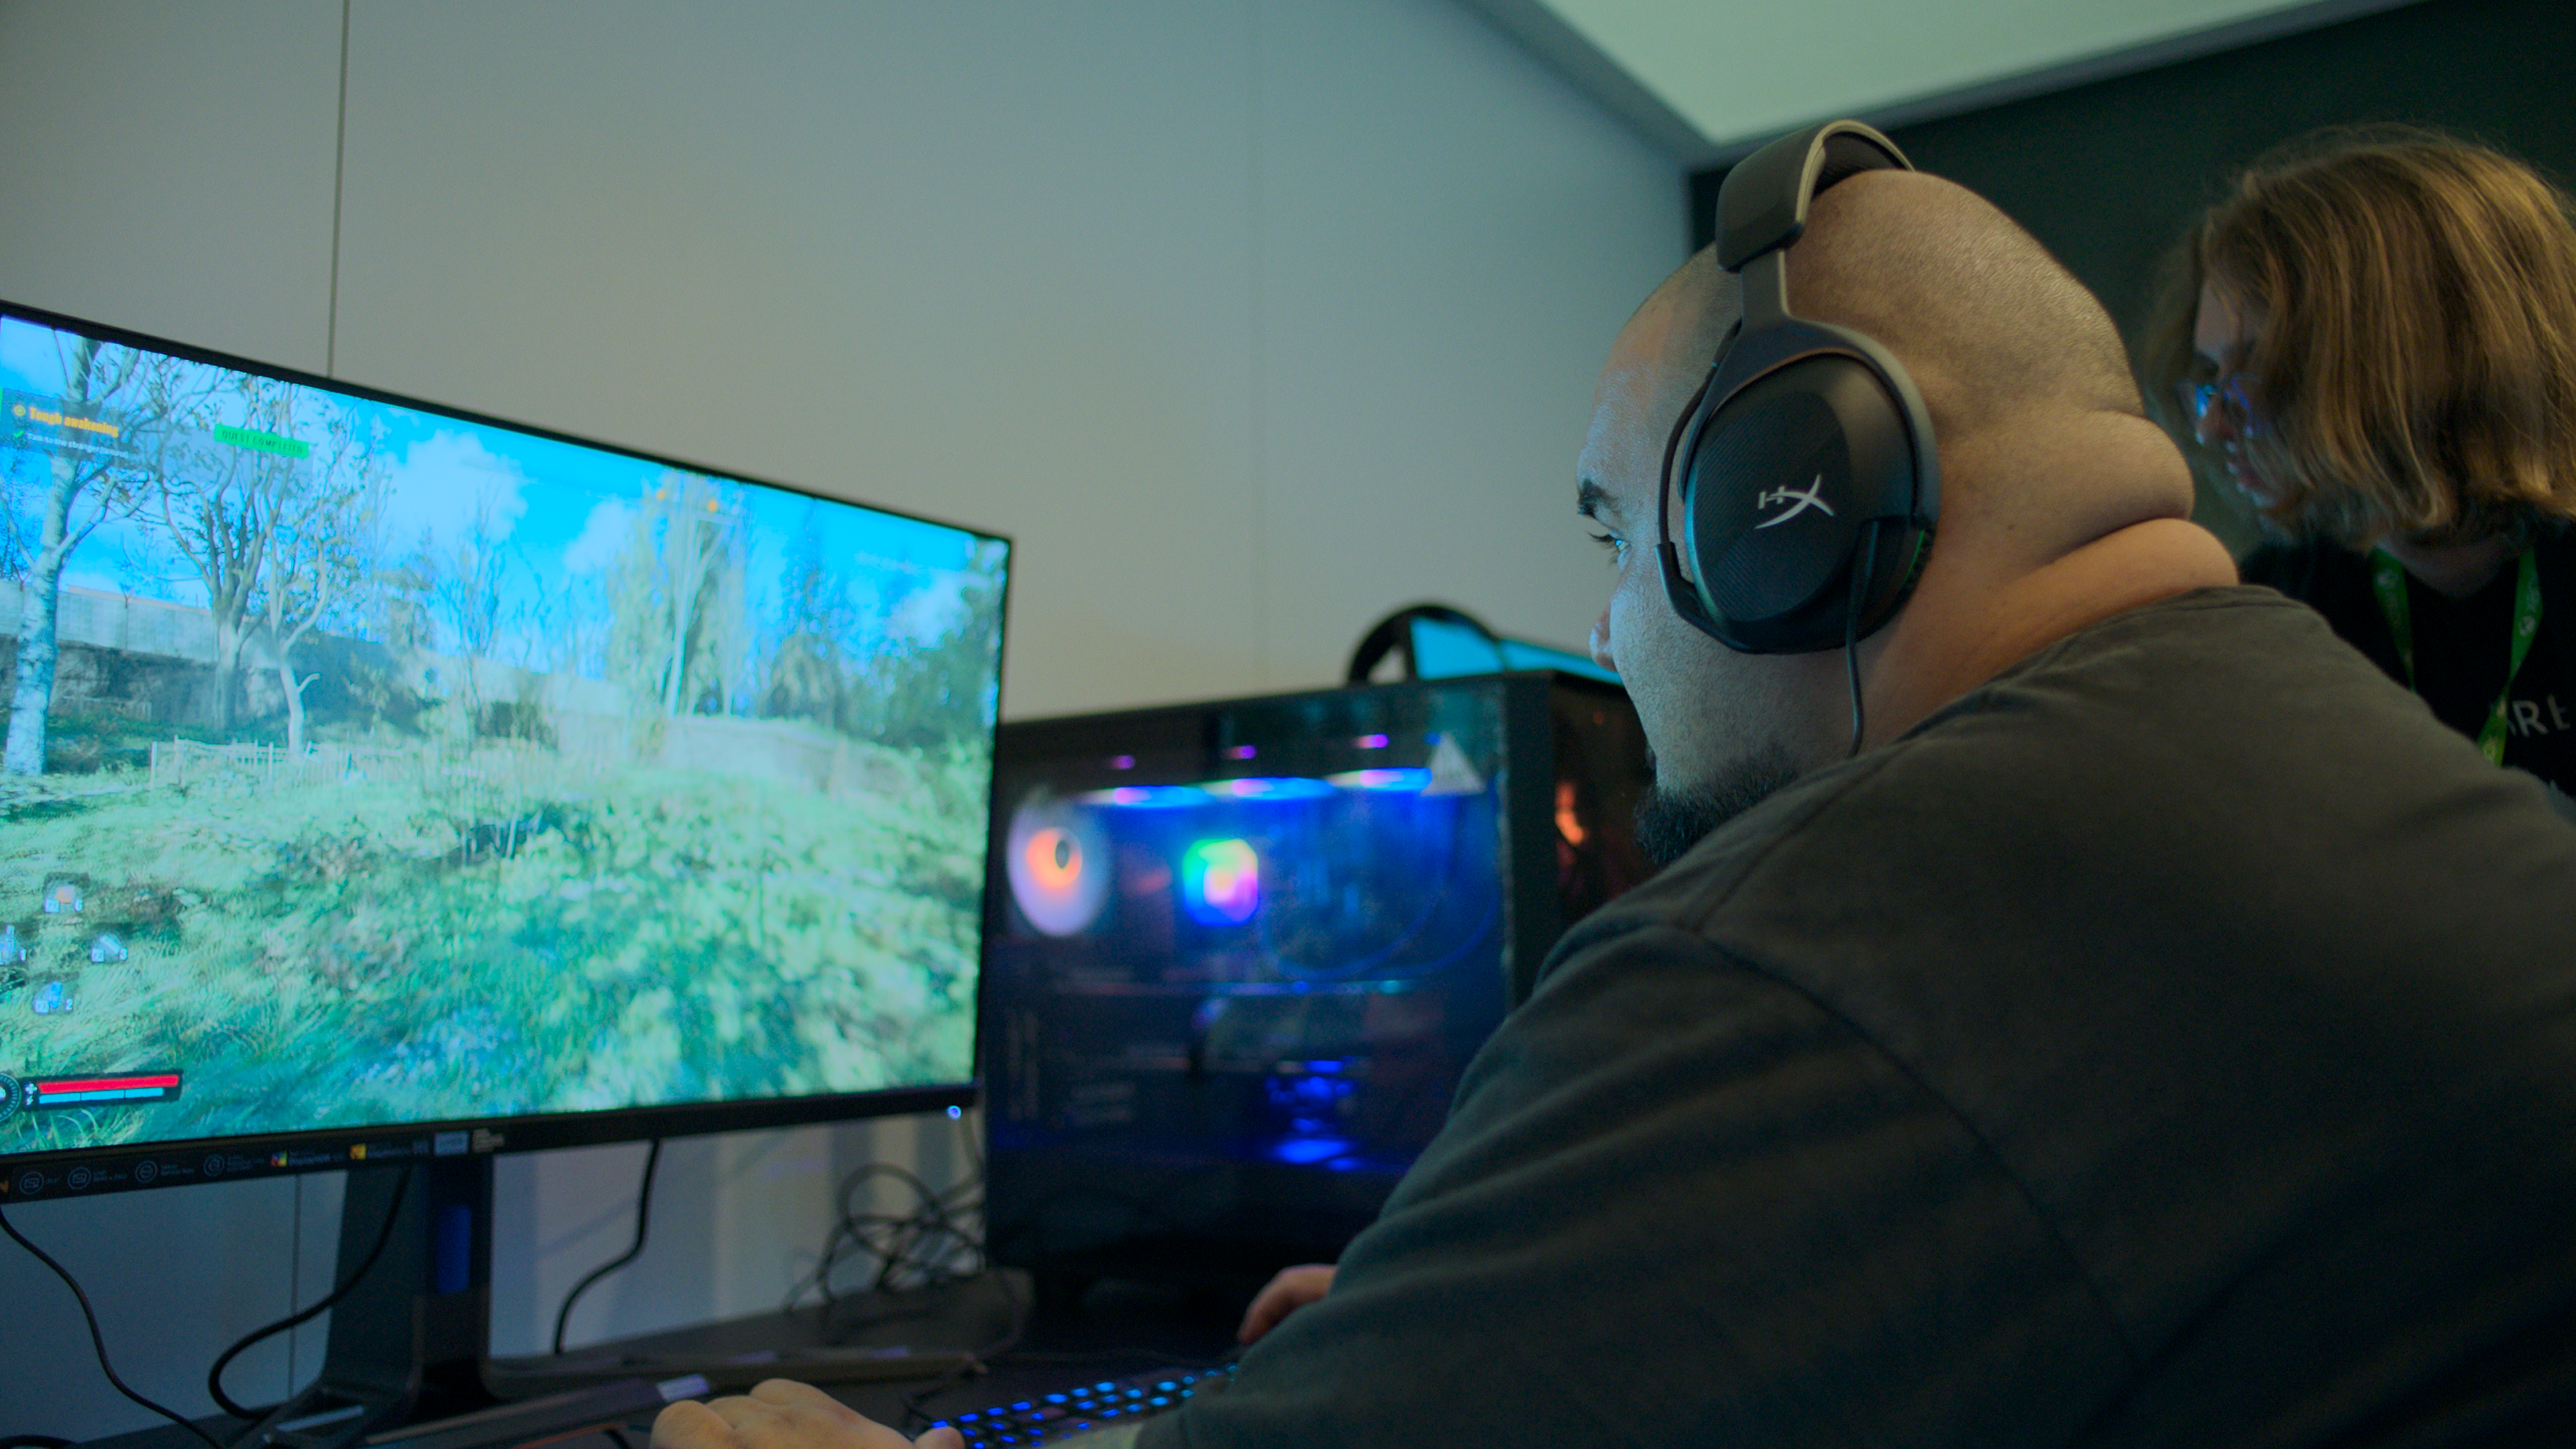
{"points": [[1808, 478]]}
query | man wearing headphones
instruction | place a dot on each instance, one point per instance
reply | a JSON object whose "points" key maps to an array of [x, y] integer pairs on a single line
{"points": [[2087, 1004]]}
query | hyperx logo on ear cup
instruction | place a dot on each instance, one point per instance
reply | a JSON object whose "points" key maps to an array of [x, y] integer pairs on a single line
{"points": [[1792, 500], [1770, 556]]}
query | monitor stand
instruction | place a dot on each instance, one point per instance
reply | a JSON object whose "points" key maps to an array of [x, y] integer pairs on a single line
{"points": [[410, 1341]]}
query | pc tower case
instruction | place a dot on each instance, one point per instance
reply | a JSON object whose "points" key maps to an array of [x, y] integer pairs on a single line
{"points": [[1237, 954]]}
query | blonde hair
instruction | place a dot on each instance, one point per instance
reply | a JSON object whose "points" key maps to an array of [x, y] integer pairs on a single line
{"points": [[2414, 363]]}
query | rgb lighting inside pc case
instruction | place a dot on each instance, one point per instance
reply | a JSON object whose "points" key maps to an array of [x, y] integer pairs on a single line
{"points": [[1238, 954]]}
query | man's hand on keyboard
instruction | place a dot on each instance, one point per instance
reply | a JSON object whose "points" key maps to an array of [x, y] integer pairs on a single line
{"points": [[781, 1414], [1293, 1289]]}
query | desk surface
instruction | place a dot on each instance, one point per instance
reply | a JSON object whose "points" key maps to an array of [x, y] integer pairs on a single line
{"points": [[1112, 1330]]}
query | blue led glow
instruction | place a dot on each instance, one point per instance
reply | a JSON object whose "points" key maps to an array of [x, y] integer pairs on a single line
{"points": [[1302, 1150], [1147, 797]]}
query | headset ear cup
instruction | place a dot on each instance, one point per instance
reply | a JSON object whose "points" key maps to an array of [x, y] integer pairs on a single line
{"points": [[1898, 553], [1781, 485]]}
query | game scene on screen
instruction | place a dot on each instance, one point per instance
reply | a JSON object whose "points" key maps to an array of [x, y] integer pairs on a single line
{"points": [[367, 766]]}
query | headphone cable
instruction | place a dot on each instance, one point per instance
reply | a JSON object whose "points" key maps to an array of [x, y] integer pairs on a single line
{"points": [[1862, 567]]}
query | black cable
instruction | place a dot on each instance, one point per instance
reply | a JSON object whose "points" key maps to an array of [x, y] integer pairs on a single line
{"points": [[897, 1242], [1862, 568], [33, 1441], [643, 1215], [98, 1340], [215, 1375], [1851, 658]]}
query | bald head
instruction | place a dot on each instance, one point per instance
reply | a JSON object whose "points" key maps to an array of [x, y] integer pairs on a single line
{"points": [[1992, 328], [2025, 378], [2061, 504]]}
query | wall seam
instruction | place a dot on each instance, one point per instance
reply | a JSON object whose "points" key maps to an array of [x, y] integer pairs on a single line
{"points": [[1258, 314], [339, 170]]}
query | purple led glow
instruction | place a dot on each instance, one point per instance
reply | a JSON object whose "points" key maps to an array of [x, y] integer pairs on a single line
{"points": [[1272, 787], [1241, 752], [1371, 742], [1147, 797], [1384, 780], [1122, 762]]}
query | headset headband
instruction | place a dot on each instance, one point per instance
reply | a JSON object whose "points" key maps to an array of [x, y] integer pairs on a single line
{"points": [[1762, 206]]}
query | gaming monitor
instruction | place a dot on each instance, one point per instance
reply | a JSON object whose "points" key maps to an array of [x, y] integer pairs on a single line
{"points": [[385, 783]]}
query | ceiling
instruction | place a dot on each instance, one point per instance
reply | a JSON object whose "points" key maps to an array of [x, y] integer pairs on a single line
{"points": [[1710, 79]]}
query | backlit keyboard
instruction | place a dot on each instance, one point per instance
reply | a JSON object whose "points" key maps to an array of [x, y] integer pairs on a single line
{"points": [[1051, 1418]]}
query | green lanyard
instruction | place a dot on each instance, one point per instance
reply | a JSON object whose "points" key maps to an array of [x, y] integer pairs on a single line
{"points": [[2388, 578]]}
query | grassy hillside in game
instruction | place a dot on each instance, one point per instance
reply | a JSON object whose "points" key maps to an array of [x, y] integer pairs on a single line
{"points": [[490, 938]]}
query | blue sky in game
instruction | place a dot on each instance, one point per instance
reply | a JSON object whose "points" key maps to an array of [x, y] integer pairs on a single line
{"points": [[559, 513]]}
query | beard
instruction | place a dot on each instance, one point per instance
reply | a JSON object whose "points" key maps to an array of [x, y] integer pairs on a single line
{"points": [[1671, 821]]}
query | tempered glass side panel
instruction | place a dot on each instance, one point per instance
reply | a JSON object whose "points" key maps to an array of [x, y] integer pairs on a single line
{"points": [[373, 768], [1238, 959]]}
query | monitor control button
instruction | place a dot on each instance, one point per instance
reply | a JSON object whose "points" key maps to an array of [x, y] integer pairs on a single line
{"points": [[78, 1178], [214, 1165], [147, 1170], [30, 1183]]}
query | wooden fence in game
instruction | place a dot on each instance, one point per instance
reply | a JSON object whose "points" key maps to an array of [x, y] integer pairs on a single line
{"points": [[581, 747], [190, 762], [178, 763]]}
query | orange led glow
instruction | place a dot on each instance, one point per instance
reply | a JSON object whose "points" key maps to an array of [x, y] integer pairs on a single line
{"points": [[1568, 824], [1054, 860]]}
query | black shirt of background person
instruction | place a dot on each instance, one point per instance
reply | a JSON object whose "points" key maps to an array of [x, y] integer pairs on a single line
{"points": [[2462, 646]]}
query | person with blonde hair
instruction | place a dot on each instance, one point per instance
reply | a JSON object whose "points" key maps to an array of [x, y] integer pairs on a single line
{"points": [[2373, 338]]}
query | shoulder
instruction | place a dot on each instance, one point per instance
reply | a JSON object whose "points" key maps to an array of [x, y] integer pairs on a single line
{"points": [[2282, 566], [2024, 755], [2203, 742], [2307, 571]]}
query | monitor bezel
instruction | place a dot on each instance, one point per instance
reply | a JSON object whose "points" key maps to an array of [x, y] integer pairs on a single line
{"points": [[251, 1155]]}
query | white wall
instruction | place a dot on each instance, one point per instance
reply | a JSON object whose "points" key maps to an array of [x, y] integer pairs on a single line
{"points": [[1248, 319]]}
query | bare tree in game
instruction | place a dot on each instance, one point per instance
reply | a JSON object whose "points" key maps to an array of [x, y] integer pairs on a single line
{"points": [[678, 597], [221, 487], [113, 400], [465, 587], [809, 668], [323, 548]]}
